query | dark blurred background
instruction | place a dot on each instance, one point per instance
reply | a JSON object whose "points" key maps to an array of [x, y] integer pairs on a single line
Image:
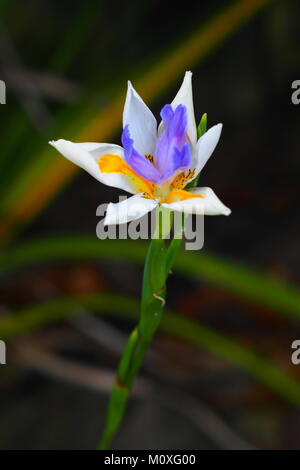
{"points": [[65, 65]]}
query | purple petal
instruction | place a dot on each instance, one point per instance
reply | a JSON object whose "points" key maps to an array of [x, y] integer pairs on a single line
{"points": [[137, 162], [181, 160], [166, 114], [178, 124], [173, 149]]}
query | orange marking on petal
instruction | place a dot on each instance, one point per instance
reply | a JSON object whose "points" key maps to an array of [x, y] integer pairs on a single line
{"points": [[180, 195], [111, 163]]}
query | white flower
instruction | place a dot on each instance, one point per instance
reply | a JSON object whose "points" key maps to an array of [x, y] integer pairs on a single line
{"points": [[154, 165]]}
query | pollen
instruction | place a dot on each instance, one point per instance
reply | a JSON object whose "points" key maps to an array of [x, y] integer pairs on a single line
{"points": [[148, 195]]}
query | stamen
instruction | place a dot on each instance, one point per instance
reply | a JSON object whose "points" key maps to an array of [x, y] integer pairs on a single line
{"points": [[150, 158], [180, 180]]}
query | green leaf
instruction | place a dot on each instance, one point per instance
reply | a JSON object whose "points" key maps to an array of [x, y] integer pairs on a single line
{"points": [[202, 128]]}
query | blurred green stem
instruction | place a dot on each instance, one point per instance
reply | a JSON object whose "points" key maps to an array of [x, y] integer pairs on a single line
{"points": [[157, 265]]}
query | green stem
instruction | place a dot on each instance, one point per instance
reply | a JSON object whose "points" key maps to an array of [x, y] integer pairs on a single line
{"points": [[153, 300], [176, 242]]}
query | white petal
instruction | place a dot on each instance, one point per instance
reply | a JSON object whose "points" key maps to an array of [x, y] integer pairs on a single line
{"points": [[79, 155], [97, 150], [212, 204], [185, 97], [87, 154], [130, 209], [209, 205], [206, 145], [188, 206], [142, 124]]}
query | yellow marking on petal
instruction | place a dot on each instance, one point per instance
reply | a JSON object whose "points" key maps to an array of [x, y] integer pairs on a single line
{"points": [[179, 195], [148, 196], [111, 163]]}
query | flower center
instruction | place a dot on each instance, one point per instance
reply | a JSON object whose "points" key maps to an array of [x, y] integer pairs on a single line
{"points": [[161, 190], [173, 191]]}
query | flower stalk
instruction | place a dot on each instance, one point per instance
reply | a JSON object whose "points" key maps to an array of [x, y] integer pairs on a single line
{"points": [[159, 260]]}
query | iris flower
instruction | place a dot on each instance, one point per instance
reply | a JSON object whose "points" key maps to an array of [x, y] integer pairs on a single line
{"points": [[155, 164]]}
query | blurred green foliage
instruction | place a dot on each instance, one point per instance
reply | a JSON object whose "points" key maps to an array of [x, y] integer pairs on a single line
{"points": [[252, 285], [31, 174], [247, 284], [183, 328]]}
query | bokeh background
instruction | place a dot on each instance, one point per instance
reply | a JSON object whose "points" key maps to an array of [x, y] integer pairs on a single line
{"points": [[219, 374]]}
